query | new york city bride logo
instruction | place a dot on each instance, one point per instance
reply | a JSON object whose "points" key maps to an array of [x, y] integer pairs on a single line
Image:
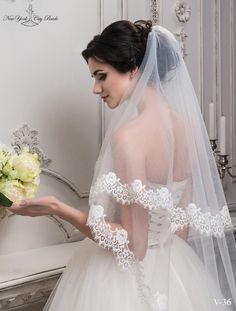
{"points": [[31, 19]]}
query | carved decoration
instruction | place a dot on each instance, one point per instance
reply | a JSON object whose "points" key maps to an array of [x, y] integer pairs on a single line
{"points": [[155, 11], [25, 137], [27, 293], [182, 11], [182, 35], [183, 14]]}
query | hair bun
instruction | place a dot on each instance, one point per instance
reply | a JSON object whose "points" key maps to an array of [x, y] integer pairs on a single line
{"points": [[144, 27]]}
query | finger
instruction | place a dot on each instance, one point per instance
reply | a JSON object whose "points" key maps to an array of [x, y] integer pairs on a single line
{"points": [[25, 203], [32, 202], [15, 207]]}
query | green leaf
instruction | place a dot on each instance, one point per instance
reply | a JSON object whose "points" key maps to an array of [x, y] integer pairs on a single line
{"points": [[4, 201]]}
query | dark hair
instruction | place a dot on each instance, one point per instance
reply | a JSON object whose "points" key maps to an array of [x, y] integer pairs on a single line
{"points": [[122, 45]]}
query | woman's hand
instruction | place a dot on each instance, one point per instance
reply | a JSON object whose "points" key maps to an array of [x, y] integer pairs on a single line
{"points": [[36, 207]]}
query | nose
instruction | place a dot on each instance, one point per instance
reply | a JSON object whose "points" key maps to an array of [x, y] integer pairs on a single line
{"points": [[97, 88]]}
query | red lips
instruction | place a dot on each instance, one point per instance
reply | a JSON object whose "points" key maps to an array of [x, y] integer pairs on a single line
{"points": [[104, 98]]}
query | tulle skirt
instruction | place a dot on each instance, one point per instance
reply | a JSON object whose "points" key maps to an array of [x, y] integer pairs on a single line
{"points": [[93, 281]]}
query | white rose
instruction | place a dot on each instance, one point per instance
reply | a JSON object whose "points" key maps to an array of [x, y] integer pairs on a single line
{"points": [[13, 190]]}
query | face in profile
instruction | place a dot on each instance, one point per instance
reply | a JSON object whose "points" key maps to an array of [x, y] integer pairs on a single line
{"points": [[110, 84]]}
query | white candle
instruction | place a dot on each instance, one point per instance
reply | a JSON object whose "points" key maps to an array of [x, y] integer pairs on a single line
{"points": [[212, 121], [222, 137]]}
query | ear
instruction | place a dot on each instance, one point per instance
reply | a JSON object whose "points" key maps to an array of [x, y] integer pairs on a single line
{"points": [[133, 72]]}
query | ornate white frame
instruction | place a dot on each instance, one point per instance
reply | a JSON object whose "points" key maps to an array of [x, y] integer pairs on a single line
{"points": [[24, 136]]}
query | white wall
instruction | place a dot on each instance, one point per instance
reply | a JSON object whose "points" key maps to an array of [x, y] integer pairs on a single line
{"points": [[45, 84]]}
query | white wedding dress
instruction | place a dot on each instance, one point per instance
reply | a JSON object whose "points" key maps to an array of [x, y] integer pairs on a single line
{"points": [[93, 281]]}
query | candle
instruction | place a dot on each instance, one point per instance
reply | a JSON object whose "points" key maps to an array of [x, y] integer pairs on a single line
{"points": [[222, 137], [212, 121]]}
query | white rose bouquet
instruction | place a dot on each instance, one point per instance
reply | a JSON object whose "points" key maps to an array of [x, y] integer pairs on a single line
{"points": [[19, 175]]}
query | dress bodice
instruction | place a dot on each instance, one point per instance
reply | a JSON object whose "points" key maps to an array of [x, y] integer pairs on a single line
{"points": [[159, 220]]}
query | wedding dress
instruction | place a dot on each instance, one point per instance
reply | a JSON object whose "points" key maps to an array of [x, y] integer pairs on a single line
{"points": [[93, 281]]}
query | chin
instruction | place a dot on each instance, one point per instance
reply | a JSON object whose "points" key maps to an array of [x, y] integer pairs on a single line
{"points": [[112, 105]]}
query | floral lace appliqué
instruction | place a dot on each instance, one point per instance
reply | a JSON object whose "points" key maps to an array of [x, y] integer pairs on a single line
{"points": [[130, 194], [153, 301], [117, 241], [153, 199], [114, 240], [136, 192], [204, 222]]}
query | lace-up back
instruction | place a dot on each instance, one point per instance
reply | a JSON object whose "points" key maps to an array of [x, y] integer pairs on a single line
{"points": [[159, 219]]}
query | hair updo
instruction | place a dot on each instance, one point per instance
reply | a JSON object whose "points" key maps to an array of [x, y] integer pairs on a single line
{"points": [[122, 45]]}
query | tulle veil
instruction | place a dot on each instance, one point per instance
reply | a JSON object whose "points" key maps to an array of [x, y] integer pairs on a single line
{"points": [[163, 109]]}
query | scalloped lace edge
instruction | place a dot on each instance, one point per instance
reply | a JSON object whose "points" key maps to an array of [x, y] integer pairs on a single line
{"points": [[136, 192], [117, 241]]}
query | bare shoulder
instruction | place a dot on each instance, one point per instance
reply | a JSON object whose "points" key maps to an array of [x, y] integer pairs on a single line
{"points": [[128, 133], [128, 138]]}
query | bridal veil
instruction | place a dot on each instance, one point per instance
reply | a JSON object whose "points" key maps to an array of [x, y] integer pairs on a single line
{"points": [[170, 188]]}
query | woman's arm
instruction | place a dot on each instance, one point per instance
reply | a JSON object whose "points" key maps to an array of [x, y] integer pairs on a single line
{"points": [[78, 219], [129, 214], [137, 240], [50, 205], [75, 217]]}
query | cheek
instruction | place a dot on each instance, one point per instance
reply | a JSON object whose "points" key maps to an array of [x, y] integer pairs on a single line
{"points": [[122, 85]]}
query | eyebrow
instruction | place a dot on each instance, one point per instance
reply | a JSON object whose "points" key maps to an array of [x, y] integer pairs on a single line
{"points": [[96, 71]]}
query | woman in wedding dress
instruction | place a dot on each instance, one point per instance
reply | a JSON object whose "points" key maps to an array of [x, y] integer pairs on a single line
{"points": [[159, 233]]}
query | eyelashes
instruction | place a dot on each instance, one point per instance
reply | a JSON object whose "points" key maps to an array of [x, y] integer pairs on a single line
{"points": [[102, 77]]}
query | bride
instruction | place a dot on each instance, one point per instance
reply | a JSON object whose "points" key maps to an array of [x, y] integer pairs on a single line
{"points": [[159, 233]]}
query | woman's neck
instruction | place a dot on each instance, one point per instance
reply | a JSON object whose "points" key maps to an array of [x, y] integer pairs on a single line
{"points": [[150, 99]]}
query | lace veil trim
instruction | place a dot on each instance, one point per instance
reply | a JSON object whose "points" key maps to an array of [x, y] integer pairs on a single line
{"points": [[117, 241], [152, 199]]}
